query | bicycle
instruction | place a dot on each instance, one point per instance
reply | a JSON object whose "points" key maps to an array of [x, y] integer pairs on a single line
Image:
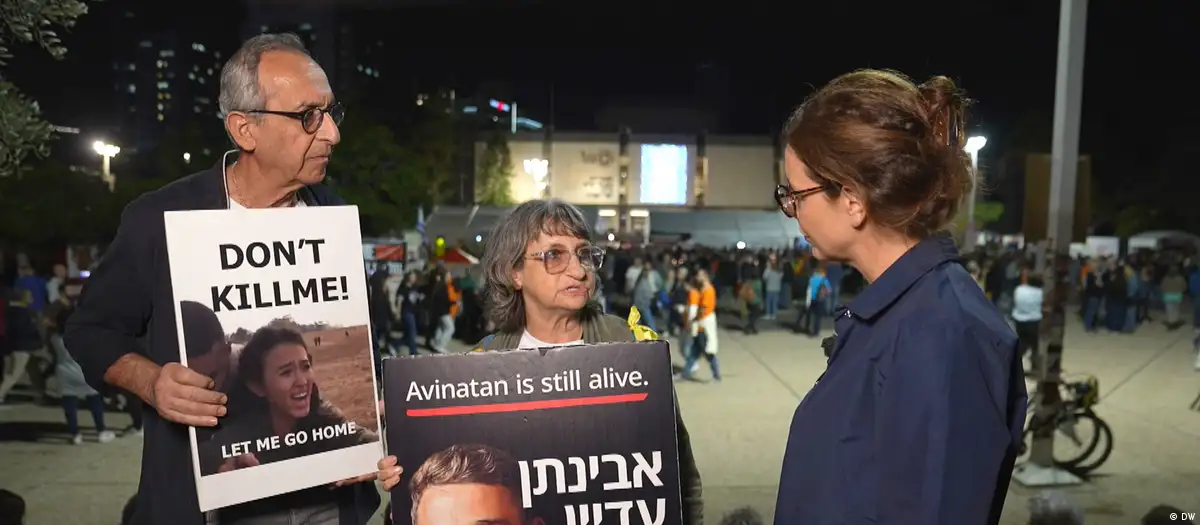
{"points": [[1076, 408]]}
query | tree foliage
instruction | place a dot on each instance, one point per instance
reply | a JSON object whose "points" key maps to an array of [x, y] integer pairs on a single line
{"points": [[52, 202], [495, 172], [23, 133], [374, 171], [432, 144]]}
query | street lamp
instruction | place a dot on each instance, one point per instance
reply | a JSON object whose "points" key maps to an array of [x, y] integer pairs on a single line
{"points": [[187, 157], [974, 144], [106, 152]]}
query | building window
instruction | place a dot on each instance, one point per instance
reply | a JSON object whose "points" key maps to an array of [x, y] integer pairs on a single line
{"points": [[166, 53], [131, 89], [164, 85], [197, 47], [145, 44]]}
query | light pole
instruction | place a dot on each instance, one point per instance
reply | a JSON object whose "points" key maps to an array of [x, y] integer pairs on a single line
{"points": [[974, 144], [106, 152]]}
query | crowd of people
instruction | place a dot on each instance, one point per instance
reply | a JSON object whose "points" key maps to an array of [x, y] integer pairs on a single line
{"points": [[33, 315]]}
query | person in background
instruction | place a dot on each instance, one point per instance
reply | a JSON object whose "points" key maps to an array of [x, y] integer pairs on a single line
{"points": [[751, 295], [1134, 288], [773, 282], [21, 338], [976, 273], [29, 280], [441, 311], [54, 284], [820, 290], [410, 298], [71, 383], [701, 326], [1027, 314], [381, 314], [1173, 288], [1115, 297], [1093, 294], [645, 292], [836, 273]]}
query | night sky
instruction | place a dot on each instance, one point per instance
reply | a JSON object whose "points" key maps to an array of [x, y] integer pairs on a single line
{"points": [[1138, 115]]}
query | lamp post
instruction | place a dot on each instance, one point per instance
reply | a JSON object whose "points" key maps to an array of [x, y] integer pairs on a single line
{"points": [[106, 152], [974, 144]]}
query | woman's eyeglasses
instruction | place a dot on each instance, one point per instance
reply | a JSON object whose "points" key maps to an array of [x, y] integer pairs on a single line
{"points": [[311, 118], [789, 200], [556, 260]]}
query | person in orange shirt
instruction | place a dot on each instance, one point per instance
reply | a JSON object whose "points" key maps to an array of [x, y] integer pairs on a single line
{"points": [[701, 324]]}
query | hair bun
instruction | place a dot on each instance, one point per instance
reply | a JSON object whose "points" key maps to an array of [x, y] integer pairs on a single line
{"points": [[945, 107]]}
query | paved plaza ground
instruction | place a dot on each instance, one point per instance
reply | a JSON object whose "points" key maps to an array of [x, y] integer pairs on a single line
{"points": [[739, 429]]}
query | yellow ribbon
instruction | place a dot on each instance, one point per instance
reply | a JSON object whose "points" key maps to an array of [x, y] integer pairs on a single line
{"points": [[640, 333]]}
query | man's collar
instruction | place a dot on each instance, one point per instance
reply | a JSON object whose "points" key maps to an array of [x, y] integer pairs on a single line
{"points": [[217, 190], [902, 274]]}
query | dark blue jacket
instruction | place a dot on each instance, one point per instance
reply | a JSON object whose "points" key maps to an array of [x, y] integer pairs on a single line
{"points": [[917, 417], [127, 298]]}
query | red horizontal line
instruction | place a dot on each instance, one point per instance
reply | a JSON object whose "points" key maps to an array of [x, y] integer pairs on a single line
{"points": [[525, 406]]}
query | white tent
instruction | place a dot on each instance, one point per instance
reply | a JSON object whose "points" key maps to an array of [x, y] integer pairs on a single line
{"points": [[1159, 239]]}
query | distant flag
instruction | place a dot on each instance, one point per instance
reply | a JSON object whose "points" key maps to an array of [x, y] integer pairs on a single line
{"points": [[421, 222]]}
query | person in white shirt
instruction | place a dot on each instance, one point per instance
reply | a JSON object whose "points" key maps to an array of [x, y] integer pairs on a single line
{"points": [[1027, 313]]}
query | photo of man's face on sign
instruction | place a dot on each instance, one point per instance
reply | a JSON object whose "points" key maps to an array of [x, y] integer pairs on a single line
{"points": [[468, 485]]}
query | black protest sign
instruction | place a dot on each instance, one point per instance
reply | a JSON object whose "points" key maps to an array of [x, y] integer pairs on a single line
{"points": [[563, 436]]}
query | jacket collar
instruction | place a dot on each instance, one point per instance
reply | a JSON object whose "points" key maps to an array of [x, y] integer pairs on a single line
{"points": [[901, 275], [215, 194]]}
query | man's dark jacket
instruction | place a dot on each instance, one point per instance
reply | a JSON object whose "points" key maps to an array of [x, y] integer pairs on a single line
{"points": [[128, 297]]}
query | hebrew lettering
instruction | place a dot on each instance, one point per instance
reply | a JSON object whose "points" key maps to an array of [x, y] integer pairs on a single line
{"points": [[622, 481], [643, 471]]}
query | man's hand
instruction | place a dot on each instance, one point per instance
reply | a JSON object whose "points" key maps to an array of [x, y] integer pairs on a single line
{"points": [[389, 472], [237, 462], [185, 396]]}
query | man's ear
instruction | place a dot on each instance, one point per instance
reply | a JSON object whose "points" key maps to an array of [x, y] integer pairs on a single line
{"points": [[241, 129]]}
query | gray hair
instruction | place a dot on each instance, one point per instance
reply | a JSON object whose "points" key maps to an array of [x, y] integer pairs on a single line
{"points": [[505, 252], [240, 87], [1053, 508]]}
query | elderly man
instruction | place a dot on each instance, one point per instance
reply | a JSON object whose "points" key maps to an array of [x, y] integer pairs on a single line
{"points": [[281, 115]]}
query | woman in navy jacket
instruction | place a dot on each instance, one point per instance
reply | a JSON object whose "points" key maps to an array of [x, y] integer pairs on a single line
{"points": [[917, 417]]}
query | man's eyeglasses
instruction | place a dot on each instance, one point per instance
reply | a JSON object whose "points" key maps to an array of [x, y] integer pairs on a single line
{"points": [[556, 260], [788, 200], [311, 118]]}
